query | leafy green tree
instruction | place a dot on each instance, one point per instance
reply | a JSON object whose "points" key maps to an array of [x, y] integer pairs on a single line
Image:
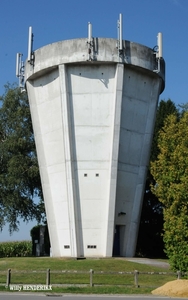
{"points": [[20, 181], [165, 108], [170, 172], [150, 240]]}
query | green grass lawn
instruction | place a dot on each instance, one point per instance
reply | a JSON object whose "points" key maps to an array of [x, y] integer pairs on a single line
{"points": [[32, 270]]}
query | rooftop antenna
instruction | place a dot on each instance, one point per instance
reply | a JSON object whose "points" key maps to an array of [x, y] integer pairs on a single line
{"points": [[160, 45], [158, 50], [90, 40], [89, 33], [20, 70], [120, 34], [20, 64], [30, 56]]}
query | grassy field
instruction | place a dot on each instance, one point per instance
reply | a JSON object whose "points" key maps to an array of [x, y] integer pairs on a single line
{"points": [[72, 276]]}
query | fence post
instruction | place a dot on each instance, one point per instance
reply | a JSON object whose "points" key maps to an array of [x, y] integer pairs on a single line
{"points": [[179, 274], [8, 277], [48, 277], [136, 278], [91, 277]]}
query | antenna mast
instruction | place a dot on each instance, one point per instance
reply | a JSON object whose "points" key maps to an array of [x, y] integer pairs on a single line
{"points": [[160, 45], [159, 52], [20, 64], [90, 40], [20, 70], [120, 34], [30, 56]]}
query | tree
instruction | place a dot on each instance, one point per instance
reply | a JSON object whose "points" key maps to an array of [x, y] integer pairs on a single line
{"points": [[150, 240], [165, 108], [170, 172], [20, 181]]}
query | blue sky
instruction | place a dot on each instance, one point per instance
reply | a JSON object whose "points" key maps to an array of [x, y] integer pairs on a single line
{"points": [[55, 20]]}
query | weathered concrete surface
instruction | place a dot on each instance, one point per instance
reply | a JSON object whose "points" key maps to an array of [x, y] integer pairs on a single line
{"points": [[93, 116]]}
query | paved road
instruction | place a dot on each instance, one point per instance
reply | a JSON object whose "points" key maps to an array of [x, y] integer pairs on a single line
{"points": [[16, 296]]}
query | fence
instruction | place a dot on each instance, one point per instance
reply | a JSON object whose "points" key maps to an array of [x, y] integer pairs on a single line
{"points": [[90, 278]]}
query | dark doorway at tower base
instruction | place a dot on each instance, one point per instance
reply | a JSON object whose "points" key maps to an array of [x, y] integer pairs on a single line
{"points": [[118, 240]]}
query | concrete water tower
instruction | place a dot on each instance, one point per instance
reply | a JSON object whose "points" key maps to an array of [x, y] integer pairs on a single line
{"points": [[93, 103]]}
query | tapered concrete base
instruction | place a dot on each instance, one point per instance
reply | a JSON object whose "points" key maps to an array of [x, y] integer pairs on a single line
{"points": [[93, 117]]}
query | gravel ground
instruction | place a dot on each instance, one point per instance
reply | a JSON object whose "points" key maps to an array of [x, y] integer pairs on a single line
{"points": [[149, 261]]}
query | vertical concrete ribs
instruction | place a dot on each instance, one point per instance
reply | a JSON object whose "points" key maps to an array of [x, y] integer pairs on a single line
{"points": [[93, 122]]}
